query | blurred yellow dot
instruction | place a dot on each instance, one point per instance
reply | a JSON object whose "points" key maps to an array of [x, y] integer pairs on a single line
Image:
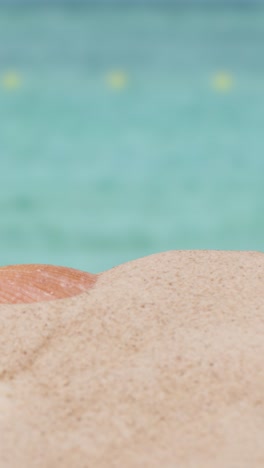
{"points": [[11, 80], [117, 79], [222, 82]]}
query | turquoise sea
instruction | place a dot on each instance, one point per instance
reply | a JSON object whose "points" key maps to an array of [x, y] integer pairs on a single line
{"points": [[129, 131]]}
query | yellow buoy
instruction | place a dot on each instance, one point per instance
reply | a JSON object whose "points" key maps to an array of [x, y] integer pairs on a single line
{"points": [[222, 82], [11, 80], [117, 79]]}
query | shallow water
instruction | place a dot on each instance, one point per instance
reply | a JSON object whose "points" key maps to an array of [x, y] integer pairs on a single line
{"points": [[101, 166]]}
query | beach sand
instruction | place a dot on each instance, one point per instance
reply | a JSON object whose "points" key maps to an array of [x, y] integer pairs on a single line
{"points": [[159, 364]]}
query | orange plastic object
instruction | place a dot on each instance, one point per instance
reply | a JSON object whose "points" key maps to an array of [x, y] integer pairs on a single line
{"points": [[36, 283]]}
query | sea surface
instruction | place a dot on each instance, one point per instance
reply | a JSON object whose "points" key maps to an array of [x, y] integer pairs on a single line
{"points": [[126, 131]]}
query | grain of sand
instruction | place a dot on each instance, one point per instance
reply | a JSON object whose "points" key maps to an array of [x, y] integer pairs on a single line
{"points": [[159, 365]]}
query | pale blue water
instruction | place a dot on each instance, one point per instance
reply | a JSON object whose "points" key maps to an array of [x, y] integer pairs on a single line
{"points": [[92, 176]]}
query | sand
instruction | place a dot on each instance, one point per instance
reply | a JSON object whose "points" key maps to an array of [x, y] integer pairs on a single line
{"points": [[159, 364]]}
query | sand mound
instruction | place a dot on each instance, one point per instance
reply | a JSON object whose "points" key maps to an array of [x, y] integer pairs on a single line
{"points": [[159, 364]]}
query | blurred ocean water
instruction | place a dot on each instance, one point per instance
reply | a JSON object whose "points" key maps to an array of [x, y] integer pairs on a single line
{"points": [[129, 131]]}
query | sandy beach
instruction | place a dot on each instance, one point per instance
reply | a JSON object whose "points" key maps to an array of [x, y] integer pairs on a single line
{"points": [[158, 364]]}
